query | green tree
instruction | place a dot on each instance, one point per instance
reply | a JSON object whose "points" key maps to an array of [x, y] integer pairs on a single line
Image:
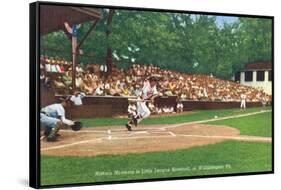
{"points": [[183, 42]]}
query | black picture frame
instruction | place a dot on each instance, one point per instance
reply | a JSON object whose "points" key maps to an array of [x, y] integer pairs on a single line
{"points": [[34, 91]]}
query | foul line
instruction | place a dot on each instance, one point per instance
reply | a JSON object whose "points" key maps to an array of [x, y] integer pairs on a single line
{"points": [[215, 119], [71, 144], [239, 138], [172, 126]]}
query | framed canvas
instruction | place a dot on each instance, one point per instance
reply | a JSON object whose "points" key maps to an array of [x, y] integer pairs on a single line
{"points": [[121, 94]]}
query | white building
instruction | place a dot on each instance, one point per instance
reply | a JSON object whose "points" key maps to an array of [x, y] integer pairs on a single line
{"points": [[258, 75]]}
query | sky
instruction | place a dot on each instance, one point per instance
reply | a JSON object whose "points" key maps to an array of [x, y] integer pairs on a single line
{"points": [[221, 19], [228, 19]]}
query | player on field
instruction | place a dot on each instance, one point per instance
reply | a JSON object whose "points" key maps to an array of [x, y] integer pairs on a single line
{"points": [[243, 98], [52, 117], [148, 93]]}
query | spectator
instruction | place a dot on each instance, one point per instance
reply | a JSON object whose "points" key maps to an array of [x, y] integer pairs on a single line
{"points": [[67, 80], [62, 69], [103, 70], [79, 69], [59, 84], [76, 99], [99, 90], [48, 67], [54, 68], [127, 82]]}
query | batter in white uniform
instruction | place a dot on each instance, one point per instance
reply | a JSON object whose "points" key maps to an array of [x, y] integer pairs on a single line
{"points": [[148, 93]]}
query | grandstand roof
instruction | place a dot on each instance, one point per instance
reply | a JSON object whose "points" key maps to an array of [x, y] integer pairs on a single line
{"points": [[262, 65], [52, 17]]}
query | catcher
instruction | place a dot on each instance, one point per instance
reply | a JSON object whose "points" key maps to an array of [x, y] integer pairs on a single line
{"points": [[52, 119], [148, 93]]}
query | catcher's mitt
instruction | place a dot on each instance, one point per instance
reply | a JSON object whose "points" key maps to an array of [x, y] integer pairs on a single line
{"points": [[77, 126]]}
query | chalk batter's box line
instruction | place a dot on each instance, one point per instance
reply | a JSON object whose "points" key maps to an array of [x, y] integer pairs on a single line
{"points": [[151, 130], [109, 133]]}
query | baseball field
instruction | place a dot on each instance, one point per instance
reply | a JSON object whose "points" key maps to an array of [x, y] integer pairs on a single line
{"points": [[193, 143]]}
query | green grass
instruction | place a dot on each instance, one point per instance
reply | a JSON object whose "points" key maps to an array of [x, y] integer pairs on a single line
{"points": [[256, 125], [194, 116], [228, 157]]}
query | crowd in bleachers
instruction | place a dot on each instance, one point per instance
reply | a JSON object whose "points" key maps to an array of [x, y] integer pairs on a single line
{"points": [[94, 80]]}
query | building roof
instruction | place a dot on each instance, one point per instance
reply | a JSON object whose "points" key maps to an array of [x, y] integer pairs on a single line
{"points": [[52, 17], [261, 65]]}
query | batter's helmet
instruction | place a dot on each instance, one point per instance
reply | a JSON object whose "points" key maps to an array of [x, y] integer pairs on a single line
{"points": [[77, 126]]}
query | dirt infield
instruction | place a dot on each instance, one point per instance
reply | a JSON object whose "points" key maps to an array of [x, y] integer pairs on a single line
{"points": [[117, 140]]}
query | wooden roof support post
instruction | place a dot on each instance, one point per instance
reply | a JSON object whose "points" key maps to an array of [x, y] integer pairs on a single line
{"points": [[67, 19], [73, 31], [109, 62], [76, 46]]}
